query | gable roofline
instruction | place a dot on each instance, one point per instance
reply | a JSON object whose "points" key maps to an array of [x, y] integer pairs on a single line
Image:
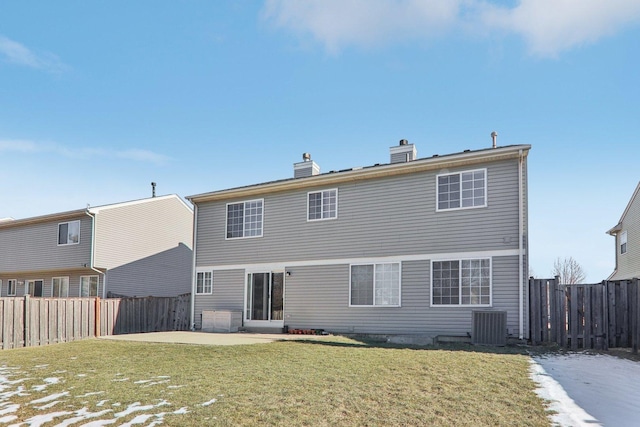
{"points": [[618, 227], [464, 158], [68, 215]]}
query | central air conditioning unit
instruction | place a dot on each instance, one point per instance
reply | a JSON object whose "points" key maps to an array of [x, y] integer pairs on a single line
{"points": [[489, 327]]}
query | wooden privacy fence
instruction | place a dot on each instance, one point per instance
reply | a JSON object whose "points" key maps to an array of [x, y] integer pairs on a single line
{"points": [[28, 321], [586, 316]]}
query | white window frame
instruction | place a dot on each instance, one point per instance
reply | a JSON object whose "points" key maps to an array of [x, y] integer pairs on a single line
{"points": [[245, 207], [61, 280], [375, 276], [486, 192], [623, 243], [460, 277], [29, 283], [322, 205], [15, 287], [68, 223], [204, 274], [89, 293]]}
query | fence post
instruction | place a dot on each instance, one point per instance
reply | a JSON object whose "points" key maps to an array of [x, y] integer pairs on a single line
{"points": [[605, 315], [97, 324], [27, 316]]}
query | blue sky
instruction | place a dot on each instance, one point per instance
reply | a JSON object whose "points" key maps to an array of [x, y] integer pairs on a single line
{"points": [[98, 99]]}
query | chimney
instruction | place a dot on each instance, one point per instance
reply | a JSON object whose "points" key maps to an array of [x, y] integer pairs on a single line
{"points": [[306, 167], [494, 137], [403, 153]]}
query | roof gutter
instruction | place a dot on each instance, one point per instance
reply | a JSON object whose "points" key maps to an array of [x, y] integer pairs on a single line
{"points": [[93, 249]]}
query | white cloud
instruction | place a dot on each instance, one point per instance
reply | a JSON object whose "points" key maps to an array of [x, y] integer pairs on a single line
{"points": [[552, 26], [19, 54], [340, 23], [547, 26], [30, 147]]}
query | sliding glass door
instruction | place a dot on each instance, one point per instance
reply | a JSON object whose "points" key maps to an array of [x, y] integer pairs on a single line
{"points": [[265, 298]]}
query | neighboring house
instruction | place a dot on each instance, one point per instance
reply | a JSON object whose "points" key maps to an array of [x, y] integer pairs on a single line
{"points": [[409, 247], [137, 248], [627, 234]]}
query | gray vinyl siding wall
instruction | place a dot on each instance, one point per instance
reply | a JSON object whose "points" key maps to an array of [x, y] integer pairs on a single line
{"points": [[382, 217], [392, 216], [318, 297], [47, 277], [628, 264], [228, 294], [146, 247], [34, 247]]}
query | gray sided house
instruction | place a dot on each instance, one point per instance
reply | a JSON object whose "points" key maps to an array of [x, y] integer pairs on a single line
{"points": [[627, 245], [410, 247], [137, 248]]}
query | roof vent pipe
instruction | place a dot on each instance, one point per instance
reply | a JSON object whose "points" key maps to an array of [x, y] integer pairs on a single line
{"points": [[153, 189], [494, 137]]}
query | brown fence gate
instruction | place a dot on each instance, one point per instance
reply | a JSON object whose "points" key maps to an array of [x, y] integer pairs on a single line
{"points": [[585, 316]]}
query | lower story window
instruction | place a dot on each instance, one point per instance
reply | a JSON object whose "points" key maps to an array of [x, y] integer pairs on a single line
{"points": [[375, 285], [88, 286], [11, 287], [204, 282], [461, 282], [60, 287], [33, 287]]}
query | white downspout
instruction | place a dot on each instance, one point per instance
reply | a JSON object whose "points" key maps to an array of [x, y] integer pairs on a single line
{"points": [[93, 248], [520, 249], [193, 267]]}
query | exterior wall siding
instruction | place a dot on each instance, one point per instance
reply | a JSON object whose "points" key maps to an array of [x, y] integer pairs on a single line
{"points": [[34, 247], [47, 277], [393, 216], [628, 264], [375, 218]]}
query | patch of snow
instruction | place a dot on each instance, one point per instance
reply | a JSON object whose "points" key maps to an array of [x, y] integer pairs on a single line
{"points": [[91, 393], [176, 386], [212, 401], [11, 407], [140, 419], [81, 415], [102, 402], [120, 380], [152, 383], [163, 376], [99, 423], [47, 383], [48, 405], [7, 419], [50, 397], [606, 387], [181, 411], [38, 420], [41, 366], [141, 381]]}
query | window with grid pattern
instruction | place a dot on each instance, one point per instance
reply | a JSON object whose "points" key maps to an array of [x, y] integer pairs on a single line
{"points": [[461, 282], [204, 282], [375, 285], [623, 242], [244, 219], [462, 190], [323, 205]]}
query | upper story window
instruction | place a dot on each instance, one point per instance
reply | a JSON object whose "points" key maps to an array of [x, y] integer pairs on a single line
{"points": [[204, 282], [623, 242], [375, 285], [462, 190], [461, 282], [244, 219], [69, 233], [322, 205]]}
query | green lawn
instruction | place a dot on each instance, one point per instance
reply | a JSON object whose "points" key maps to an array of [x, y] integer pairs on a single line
{"points": [[335, 382]]}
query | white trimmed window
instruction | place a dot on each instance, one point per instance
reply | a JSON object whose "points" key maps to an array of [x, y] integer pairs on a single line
{"points": [[322, 205], [12, 284], [34, 287], [204, 282], [623, 242], [69, 233], [88, 286], [462, 190], [60, 287], [461, 282], [375, 285], [244, 219]]}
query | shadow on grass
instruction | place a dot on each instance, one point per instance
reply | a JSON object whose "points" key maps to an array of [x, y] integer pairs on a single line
{"points": [[365, 342]]}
